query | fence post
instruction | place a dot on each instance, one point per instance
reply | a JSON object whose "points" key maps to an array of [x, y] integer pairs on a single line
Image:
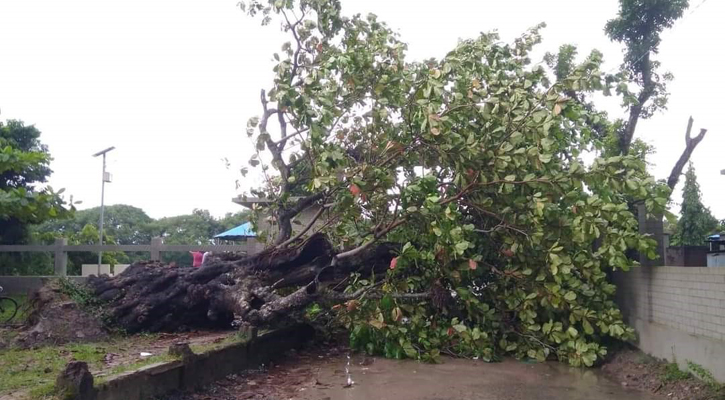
{"points": [[60, 257], [156, 248]]}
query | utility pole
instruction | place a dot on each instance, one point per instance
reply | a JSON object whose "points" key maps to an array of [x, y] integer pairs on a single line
{"points": [[106, 177]]}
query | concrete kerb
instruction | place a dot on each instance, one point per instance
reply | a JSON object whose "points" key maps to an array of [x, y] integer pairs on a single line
{"points": [[202, 369]]}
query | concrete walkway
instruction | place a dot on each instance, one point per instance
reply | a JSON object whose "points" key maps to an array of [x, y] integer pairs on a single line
{"points": [[462, 380]]}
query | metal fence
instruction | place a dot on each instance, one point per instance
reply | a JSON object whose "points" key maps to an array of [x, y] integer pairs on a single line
{"points": [[61, 248]]}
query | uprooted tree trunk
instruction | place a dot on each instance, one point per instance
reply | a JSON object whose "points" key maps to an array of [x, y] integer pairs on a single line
{"points": [[150, 296]]}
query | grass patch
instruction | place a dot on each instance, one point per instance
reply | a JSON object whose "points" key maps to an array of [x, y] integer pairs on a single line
{"points": [[35, 370], [673, 373], [44, 391], [22, 310], [142, 363], [231, 339], [38, 368], [706, 376]]}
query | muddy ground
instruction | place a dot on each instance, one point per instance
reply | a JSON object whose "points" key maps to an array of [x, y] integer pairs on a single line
{"points": [[323, 374], [634, 369]]}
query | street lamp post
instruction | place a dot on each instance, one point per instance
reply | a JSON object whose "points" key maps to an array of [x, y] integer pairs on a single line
{"points": [[106, 177]]}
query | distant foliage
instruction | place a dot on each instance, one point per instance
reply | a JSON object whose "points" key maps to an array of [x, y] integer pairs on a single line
{"points": [[696, 221], [24, 198]]}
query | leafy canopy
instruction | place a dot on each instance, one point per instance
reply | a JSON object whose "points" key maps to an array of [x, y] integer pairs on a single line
{"points": [[638, 25], [472, 163], [24, 167]]}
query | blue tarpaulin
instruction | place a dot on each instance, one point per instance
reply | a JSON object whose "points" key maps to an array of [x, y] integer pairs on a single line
{"points": [[243, 230]]}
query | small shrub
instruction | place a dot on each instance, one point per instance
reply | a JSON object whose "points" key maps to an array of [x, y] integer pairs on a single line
{"points": [[704, 375], [88, 301], [673, 373]]}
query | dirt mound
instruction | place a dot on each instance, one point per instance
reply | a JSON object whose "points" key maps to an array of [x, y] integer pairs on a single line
{"points": [[57, 319], [637, 370]]}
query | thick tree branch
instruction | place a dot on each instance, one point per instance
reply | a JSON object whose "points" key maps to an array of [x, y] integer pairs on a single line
{"points": [[690, 144], [635, 111], [295, 57]]}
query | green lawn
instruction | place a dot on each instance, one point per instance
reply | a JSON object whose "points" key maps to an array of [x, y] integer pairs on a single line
{"points": [[22, 311], [36, 369]]}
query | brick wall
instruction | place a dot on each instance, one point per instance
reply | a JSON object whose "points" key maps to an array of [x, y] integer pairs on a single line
{"points": [[679, 313]]}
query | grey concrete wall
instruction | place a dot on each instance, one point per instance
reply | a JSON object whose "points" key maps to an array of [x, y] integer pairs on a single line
{"points": [[652, 225], [679, 313], [686, 256], [303, 219], [23, 285]]}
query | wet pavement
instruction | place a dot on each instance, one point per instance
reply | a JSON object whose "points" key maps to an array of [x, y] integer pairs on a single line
{"points": [[327, 377], [464, 380]]}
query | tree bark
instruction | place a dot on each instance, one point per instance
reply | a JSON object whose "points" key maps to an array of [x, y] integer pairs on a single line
{"points": [[690, 144], [152, 297], [635, 111]]}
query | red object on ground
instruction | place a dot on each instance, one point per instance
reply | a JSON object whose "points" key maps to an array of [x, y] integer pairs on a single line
{"points": [[198, 256]]}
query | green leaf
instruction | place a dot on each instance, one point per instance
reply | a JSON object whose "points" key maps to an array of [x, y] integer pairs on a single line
{"points": [[410, 350], [589, 358], [462, 246], [588, 329], [570, 296]]}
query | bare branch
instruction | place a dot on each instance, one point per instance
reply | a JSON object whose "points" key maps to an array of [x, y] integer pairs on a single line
{"points": [[369, 243], [295, 57], [690, 144], [284, 138], [307, 227]]}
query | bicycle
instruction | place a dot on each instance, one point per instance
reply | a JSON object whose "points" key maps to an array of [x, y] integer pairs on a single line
{"points": [[8, 308]]}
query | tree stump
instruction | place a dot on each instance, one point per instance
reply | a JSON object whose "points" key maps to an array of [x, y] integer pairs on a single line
{"points": [[75, 382]]}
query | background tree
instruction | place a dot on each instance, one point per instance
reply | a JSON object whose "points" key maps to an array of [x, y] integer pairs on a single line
{"points": [[24, 200], [696, 221], [24, 168], [125, 224], [199, 227], [639, 25], [88, 234]]}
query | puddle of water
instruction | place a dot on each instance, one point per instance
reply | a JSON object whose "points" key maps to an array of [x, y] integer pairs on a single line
{"points": [[362, 378]]}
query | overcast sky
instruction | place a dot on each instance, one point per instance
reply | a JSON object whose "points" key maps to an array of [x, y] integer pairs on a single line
{"points": [[171, 84]]}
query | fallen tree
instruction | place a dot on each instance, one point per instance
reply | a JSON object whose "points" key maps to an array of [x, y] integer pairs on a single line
{"points": [[470, 165], [150, 296]]}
